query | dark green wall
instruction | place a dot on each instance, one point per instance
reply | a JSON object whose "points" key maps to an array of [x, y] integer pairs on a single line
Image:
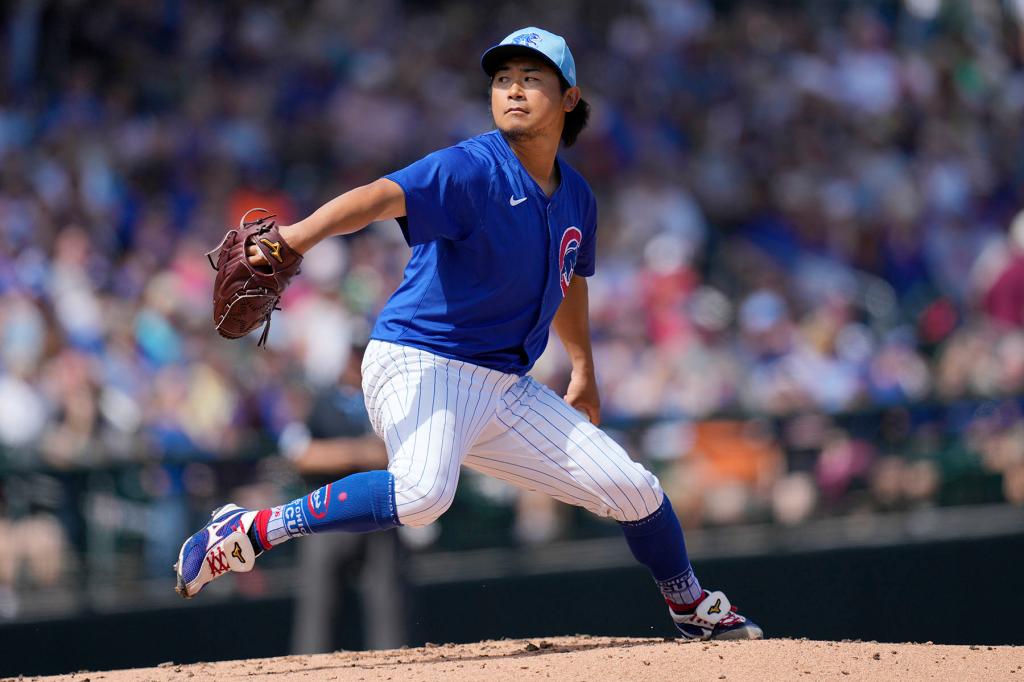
{"points": [[968, 592]]}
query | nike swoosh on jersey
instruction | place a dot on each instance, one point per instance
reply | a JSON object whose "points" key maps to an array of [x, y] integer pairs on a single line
{"points": [[515, 202]]}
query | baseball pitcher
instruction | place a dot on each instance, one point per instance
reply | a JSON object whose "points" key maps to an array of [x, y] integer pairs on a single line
{"points": [[503, 237]]}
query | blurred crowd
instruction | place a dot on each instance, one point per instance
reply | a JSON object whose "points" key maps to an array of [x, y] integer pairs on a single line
{"points": [[805, 209]]}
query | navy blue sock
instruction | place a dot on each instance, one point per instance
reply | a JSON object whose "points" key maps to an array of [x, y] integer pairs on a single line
{"points": [[359, 503], [657, 542]]}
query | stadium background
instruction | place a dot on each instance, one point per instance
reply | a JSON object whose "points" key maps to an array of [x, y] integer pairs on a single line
{"points": [[807, 316]]}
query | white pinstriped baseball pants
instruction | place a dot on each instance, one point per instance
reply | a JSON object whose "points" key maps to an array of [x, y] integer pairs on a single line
{"points": [[436, 414]]}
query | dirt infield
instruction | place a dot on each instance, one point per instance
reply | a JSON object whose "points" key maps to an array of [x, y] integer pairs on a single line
{"points": [[602, 658]]}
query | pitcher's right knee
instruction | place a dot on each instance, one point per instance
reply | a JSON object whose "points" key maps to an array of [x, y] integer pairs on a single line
{"points": [[420, 502]]}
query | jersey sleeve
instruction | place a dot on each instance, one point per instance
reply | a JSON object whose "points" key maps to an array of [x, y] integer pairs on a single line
{"points": [[441, 190], [585, 264]]}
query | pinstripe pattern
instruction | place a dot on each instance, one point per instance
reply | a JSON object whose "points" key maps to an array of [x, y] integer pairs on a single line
{"points": [[544, 444], [436, 414]]}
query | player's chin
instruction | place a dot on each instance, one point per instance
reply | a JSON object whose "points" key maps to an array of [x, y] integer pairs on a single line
{"points": [[515, 130]]}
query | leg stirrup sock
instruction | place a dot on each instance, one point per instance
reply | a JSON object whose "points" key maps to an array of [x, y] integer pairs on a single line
{"points": [[360, 503], [657, 542]]}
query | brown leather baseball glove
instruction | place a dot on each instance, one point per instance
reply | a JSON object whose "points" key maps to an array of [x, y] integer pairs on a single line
{"points": [[244, 295]]}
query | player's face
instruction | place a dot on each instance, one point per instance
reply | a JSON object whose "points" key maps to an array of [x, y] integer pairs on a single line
{"points": [[527, 99]]}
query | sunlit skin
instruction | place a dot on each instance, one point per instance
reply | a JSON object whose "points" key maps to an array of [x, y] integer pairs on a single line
{"points": [[529, 108]]}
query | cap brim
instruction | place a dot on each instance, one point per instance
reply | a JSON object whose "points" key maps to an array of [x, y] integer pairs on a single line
{"points": [[492, 59]]}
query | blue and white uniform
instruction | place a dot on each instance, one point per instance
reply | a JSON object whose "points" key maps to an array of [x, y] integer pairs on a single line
{"points": [[492, 255], [444, 376]]}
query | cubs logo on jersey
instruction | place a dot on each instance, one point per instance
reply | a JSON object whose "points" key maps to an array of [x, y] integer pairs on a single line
{"points": [[567, 254]]}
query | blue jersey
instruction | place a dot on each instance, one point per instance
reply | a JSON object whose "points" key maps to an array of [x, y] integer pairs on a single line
{"points": [[492, 255]]}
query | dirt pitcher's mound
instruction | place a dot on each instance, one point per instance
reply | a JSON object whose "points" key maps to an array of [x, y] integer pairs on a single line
{"points": [[604, 658]]}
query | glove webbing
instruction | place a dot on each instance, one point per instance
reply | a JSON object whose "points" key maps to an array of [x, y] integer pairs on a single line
{"points": [[242, 225]]}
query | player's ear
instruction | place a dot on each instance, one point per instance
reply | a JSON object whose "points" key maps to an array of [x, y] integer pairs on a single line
{"points": [[570, 98]]}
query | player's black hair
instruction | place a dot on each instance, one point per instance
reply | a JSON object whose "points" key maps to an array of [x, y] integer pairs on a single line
{"points": [[575, 120]]}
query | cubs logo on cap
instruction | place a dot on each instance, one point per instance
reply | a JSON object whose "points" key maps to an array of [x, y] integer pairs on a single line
{"points": [[551, 47], [528, 39]]}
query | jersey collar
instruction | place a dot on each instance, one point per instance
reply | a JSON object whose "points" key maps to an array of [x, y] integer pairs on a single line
{"points": [[529, 184]]}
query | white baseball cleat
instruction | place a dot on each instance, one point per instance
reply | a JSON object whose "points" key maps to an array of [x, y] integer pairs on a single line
{"points": [[222, 546], [715, 618]]}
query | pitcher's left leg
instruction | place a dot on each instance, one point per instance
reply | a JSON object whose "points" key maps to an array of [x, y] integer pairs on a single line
{"points": [[538, 442]]}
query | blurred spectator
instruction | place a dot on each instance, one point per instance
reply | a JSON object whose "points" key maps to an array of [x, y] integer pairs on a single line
{"points": [[337, 440], [33, 552], [835, 187], [807, 215], [1003, 299]]}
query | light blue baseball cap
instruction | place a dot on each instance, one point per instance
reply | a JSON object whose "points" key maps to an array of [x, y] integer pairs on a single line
{"points": [[551, 47]]}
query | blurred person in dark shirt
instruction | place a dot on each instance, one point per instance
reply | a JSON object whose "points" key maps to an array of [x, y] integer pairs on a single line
{"points": [[337, 440]]}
